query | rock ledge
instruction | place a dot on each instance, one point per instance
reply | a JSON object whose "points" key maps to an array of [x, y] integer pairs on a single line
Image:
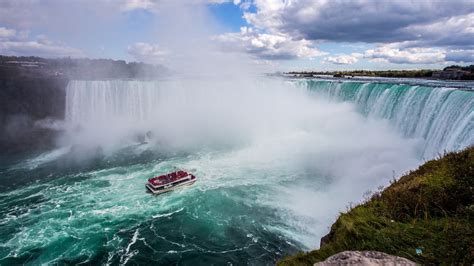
{"points": [[366, 258]]}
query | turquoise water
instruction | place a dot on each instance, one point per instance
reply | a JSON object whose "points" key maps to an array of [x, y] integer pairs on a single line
{"points": [[442, 116], [101, 214], [275, 163]]}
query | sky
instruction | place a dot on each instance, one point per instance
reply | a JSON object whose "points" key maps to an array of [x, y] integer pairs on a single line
{"points": [[282, 34]]}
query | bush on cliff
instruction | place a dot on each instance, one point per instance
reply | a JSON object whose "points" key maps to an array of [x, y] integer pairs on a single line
{"points": [[430, 210]]}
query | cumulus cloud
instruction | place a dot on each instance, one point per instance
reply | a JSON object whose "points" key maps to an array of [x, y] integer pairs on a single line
{"points": [[146, 52], [403, 31], [396, 53], [137, 4], [453, 32], [423, 31], [417, 55], [460, 56], [37, 48], [393, 53], [7, 33], [268, 46], [343, 59], [18, 43], [363, 20]]}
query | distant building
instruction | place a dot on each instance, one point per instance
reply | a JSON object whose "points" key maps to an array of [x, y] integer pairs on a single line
{"points": [[450, 73], [26, 63]]}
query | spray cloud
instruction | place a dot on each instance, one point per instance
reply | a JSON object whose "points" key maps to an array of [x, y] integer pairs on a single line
{"points": [[319, 154]]}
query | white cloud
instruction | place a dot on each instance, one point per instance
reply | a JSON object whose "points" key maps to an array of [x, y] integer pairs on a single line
{"points": [[37, 48], [146, 52], [17, 43], [7, 33], [457, 31], [419, 31], [357, 20], [268, 15], [398, 53], [460, 56], [268, 46], [343, 59], [415, 55], [129, 5]]}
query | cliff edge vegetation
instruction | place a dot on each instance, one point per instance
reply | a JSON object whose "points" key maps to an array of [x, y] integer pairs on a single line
{"points": [[426, 216], [453, 72]]}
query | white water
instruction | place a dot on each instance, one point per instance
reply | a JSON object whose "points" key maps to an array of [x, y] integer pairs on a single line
{"points": [[249, 133], [443, 118]]}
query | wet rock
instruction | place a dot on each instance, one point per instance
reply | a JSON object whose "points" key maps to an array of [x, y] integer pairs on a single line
{"points": [[366, 258], [326, 239]]}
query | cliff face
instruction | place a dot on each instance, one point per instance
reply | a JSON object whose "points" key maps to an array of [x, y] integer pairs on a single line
{"points": [[426, 216], [32, 91], [38, 97], [25, 101]]}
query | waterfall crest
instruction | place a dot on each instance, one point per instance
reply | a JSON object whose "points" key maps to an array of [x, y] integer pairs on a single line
{"points": [[443, 117]]}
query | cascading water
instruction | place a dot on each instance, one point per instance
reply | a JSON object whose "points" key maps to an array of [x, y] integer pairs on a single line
{"points": [[443, 117], [275, 164], [87, 100]]}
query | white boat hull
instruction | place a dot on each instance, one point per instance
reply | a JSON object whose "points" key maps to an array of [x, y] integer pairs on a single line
{"points": [[164, 190]]}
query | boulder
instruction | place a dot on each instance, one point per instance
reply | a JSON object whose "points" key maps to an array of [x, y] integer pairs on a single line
{"points": [[366, 258]]}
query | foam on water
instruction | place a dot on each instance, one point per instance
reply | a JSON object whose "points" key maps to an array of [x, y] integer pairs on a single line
{"points": [[45, 157]]}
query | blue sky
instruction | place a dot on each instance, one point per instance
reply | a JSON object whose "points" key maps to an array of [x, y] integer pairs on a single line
{"points": [[283, 34], [228, 15]]}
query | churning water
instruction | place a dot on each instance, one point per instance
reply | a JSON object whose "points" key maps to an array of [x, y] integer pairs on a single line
{"points": [[275, 160]]}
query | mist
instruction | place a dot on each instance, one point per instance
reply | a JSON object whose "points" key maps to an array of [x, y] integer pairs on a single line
{"points": [[315, 156], [235, 127], [185, 31], [321, 155]]}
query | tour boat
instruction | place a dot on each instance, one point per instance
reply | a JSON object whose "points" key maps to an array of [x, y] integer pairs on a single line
{"points": [[164, 183]]}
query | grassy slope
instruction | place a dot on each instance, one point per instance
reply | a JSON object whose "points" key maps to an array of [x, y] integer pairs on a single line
{"points": [[431, 208]]}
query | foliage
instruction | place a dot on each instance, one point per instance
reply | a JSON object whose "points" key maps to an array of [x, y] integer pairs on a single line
{"points": [[431, 208], [76, 68], [421, 73]]}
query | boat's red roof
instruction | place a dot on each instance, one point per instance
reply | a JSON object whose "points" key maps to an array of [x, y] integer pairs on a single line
{"points": [[168, 178]]}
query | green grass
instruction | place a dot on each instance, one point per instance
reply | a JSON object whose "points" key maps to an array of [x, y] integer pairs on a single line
{"points": [[431, 208]]}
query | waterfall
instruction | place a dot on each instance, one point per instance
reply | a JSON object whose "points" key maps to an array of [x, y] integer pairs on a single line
{"points": [[443, 117], [86, 100]]}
